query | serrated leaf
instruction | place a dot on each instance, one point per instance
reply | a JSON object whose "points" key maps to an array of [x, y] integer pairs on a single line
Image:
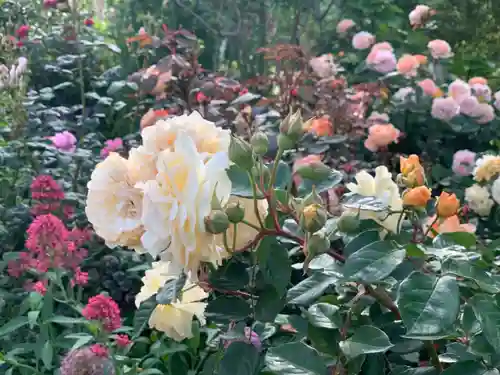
{"points": [[469, 368], [142, 314], [326, 184], [295, 359], [365, 340], [470, 270], [311, 288], [240, 358], [269, 305], [171, 290], [324, 315], [429, 305], [274, 263], [464, 239], [225, 308], [231, 276], [374, 262], [360, 241], [488, 314]]}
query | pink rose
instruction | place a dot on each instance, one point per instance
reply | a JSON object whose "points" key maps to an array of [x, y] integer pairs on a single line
{"points": [[459, 90], [419, 15], [382, 61], [479, 80], [429, 87], [440, 49], [363, 40], [407, 65], [481, 91], [112, 145], [484, 113], [463, 162], [64, 141], [444, 108], [344, 26], [380, 136], [468, 106]]}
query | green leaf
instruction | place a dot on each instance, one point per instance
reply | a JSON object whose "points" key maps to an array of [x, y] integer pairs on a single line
{"points": [[320, 186], [47, 355], [374, 262], [311, 288], [240, 183], [470, 324], [240, 358], [13, 325], [464, 239], [295, 359], [283, 176], [360, 241], [361, 202], [142, 314], [231, 276], [470, 270], [488, 314], [81, 340], [429, 305], [225, 308], [324, 315], [269, 305], [405, 370], [60, 319], [33, 317], [152, 371], [171, 290], [365, 340], [469, 368], [274, 263]]}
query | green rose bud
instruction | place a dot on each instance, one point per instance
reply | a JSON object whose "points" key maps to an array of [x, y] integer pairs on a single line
{"points": [[217, 222], [348, 223], [316, 171], [313, 218], [293, 126], [235, 212], [318, 243], [260, 143], [312, 198], [285, 142], [241, 153]]}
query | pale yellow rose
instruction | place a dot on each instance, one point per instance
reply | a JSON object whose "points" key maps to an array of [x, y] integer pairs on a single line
{"points": [[244, 233], [155, 278], [385, 189], [177, 201], [114, 204]]}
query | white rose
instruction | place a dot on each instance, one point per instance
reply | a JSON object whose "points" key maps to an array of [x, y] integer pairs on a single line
{"points": [[114, 204], [177, 201], [478, 199], [384, 188], [495, 190]]}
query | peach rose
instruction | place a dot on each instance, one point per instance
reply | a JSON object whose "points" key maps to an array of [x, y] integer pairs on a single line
{"points": [[381, 135], [447, 205], [321, 127], [430, 88], [449, 225], [417, 197], [478, 80], [422, 59], [408, 65], [440, 49]]}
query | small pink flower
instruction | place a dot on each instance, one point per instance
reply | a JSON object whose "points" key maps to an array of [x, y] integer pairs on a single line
{"points": [[22, 31], [380, 136], [40, 287], [481, 91], [80, 278], [344, 26], [429, 87], [64, 141], [49, 3], [440, 49], [459, 90], [363, 40], [104, 309], [463, 162], [408, 65], [478, 80], [99, 350], [112, 145], [382, 61], [484, 113], [122, 341], [444, 108], [468, 106], [420, 15], [251, 336]]}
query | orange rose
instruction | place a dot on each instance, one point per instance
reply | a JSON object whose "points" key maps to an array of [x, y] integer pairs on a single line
{"points": [[478, 80], [407, 165], [321, 127], [422, 59], [417, 197], [449, 225], [447, 205], [412, 171], [381, 135]]}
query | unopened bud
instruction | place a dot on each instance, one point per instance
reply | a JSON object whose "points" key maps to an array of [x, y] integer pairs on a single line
{"points": [[348, 223], [217, 222], [260, 143], [235, 212], [285, 142], [318, 243], [241, 154], [293, 126], [315, 171], [313, 218], [312, 198]]}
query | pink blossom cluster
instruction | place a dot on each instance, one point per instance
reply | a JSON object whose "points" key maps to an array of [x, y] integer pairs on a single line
{"points": [[105, 310], [50, 245], [112, 145], [48, 195]]}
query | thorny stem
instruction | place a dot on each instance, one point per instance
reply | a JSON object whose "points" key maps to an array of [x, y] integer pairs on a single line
{"points": [[223, 291], [255, 202]]}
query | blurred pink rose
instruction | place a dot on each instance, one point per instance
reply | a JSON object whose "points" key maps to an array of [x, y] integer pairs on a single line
{"points": [[463, 162], [440, 49], [484, 113], [380, 136], [479, 80], [468, 106], [419, 15], [382, 61], [429, 87], [344, 25], [459, 90], [323, 65], [363, 40], [112, 145], [64, 141], [481, 91], [444, 108], [408, 65]]}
